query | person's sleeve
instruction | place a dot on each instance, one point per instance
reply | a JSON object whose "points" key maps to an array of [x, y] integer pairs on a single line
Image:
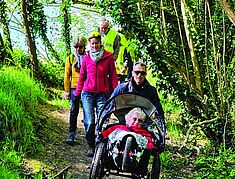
{"points": [[115, 91], [67, 75], [81, 79], [113, 75], [118, 90], [116, 47], [156, 101]]}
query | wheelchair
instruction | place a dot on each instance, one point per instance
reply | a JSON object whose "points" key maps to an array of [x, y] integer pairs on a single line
{"points": [[128, 155]]}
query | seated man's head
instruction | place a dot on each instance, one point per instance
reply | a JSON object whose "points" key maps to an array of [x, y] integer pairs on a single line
{"points": [[135, 117]]}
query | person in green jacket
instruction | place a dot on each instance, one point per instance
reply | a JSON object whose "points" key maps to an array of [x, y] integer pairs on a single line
{"points": [[110, 37], [124, 62], [126, 56], [111, 41]]}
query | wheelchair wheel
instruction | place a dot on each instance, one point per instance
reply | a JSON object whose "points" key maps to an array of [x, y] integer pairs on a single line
{"points": [[154, 170], [97, 166], [126, 158]]}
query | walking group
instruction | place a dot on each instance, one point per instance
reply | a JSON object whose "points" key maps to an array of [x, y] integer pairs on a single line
{"points": [[105, 70]]}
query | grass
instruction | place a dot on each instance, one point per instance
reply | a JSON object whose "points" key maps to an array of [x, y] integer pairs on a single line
{"points": [[20, 95], [10, 161], [22, 124]]}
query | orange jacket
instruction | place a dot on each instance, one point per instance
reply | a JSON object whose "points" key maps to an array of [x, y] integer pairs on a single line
{"points": [[71, 74]]}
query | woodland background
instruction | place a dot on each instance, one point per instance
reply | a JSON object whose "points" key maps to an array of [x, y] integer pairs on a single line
{"points": [[189, 46]]}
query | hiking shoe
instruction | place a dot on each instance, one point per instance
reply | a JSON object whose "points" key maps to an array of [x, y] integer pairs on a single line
{"points": [[70, 139], [90, 152]]}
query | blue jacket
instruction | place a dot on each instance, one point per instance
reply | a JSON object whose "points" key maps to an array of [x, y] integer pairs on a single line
{"points": [[145, 90], [150, 93]]}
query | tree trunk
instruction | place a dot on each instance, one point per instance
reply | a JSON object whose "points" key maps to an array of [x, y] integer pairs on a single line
{"points": [[30, 41], [226, 7], [196, 67], [6, 31], [66, 26], [2, 49]]}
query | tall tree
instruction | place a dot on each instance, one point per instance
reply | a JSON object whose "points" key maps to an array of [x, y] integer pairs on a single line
{"points": [[66, 25], [6, 32], [40, 27], [187, 44], [29, 38]]}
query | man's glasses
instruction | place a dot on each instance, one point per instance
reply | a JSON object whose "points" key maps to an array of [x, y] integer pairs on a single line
{"points": [[140, 72], [139, 120], [78, 46]]}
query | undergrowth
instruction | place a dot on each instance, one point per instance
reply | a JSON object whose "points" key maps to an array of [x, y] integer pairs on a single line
{"points": [[20, 95], [197, 159], [24, 126]]}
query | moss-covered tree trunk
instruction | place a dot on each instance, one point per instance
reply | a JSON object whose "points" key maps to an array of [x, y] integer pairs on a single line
{"points": [[66, 25], [29, 39], [6, 43]]}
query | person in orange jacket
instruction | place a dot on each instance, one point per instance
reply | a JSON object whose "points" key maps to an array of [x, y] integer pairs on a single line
{"points": [[72, 70]]}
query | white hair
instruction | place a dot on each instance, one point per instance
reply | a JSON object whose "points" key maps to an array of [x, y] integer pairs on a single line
{"points": [[137, 111], [103, 20]]}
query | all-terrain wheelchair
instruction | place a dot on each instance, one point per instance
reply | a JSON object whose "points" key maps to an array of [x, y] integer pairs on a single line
{"points": [[127, 156]]}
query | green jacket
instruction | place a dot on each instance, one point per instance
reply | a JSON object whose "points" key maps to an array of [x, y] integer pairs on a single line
{"points": [[120, 60], [111, 42]]}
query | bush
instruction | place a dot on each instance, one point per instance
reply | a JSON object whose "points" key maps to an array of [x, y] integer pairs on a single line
{"points": [[51, 75], [216, 166]]}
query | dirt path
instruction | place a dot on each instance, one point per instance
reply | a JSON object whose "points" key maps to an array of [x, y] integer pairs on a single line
{"points": [[68, 160], [65, 157]]}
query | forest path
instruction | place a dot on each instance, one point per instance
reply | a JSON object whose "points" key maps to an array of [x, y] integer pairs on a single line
{"points": [[68, 161]]}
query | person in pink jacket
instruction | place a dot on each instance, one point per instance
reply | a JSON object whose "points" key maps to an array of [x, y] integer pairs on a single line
{"points": [[97, 80]]}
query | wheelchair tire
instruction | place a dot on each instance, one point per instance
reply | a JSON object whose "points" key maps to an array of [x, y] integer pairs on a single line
{"points": [[97, 166], [126, 158], [154, 172]]}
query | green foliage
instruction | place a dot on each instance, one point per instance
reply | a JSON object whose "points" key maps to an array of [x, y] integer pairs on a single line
{"points": [[19, 97], [7, 173], [166, 159], [10, 158], [200, 73], [10, 162], [51, 75], [19, 59], [57, 101], [171, 166], [57, 98], [216, 166]]}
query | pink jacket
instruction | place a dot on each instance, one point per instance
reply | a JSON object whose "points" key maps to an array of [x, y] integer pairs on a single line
{"points": [[100, 77]]}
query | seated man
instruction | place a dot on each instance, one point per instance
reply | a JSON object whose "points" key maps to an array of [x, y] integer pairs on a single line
{"points": [[134, 120], [118, 133]]}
